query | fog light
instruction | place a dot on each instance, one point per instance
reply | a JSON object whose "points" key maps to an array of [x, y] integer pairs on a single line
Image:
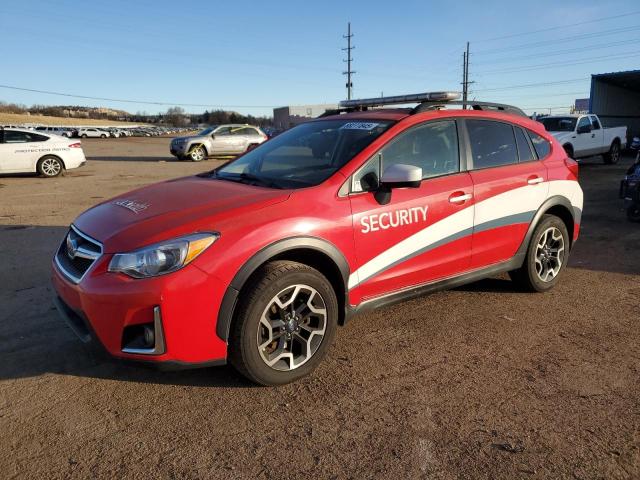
{"points": [[149, 337]]}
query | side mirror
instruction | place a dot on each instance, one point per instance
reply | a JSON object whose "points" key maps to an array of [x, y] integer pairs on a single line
{"points": [[397, 176], [402, 176], [584, 129]]}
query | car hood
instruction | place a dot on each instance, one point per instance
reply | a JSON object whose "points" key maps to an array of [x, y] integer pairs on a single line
{"points": [[190, 138], [166, 210], [562, 136]]}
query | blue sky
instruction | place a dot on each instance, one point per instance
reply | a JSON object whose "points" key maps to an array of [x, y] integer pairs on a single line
{"points": [[251, 56]]}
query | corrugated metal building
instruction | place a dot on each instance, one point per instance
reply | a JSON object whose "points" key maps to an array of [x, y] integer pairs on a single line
{"points": [[287, 117], [615, 98]]}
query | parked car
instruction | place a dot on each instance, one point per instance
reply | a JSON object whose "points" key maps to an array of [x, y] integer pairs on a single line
{"points": [[583, 136], [61, 131], [257, 262], [217, 140], [93, 133], [24, 151]]}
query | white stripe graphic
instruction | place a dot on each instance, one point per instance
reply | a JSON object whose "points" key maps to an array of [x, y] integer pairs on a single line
{"points": [[514, 202]]}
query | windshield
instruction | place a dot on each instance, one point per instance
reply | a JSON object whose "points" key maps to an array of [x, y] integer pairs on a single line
{"points": [[304, 156], [207, 131], [559, 124]]}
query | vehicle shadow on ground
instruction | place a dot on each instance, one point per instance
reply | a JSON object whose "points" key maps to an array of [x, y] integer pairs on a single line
{"points": [[132, 158], [35, 341]]}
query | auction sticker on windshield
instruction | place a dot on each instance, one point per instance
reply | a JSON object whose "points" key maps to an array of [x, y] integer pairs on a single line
{"points": [[359, 126]]}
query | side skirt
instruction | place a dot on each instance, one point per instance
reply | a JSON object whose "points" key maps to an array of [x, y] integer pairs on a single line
{"points": [[446, 284]]}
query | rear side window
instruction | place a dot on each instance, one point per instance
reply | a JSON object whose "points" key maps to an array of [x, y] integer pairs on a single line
{"points": [[541, 146], [22, 137], [492, 143], [524, 150]]}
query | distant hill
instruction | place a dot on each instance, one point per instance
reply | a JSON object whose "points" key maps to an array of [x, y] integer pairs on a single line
{"points": [[22, 118]]}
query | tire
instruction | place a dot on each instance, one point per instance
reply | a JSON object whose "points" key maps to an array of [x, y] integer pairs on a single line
{"points": [[251, 146], [569, 150], [540, 271], [283, 360], [197, 153], [84, 135], [613, 155], [103, 136], [633, 212], [50, 166]]}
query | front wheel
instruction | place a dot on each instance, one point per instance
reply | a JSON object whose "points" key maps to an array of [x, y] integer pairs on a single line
{"points": [[197, 154], [50, 166], [633, 212], [547, 256], [84, 135], [284, 324], [613, 155]]}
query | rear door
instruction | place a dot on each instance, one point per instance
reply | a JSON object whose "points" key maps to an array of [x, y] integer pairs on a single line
{"points": [[509, 185], [423, 234]]}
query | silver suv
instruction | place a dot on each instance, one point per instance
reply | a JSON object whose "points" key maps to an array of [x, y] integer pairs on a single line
{"points": [[217, 140]]}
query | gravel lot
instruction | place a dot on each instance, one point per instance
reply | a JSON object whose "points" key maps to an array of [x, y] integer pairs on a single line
{"points": [[478, 382]]}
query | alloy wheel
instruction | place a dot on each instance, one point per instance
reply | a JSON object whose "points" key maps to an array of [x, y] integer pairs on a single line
{"points": [[292, 327], [51, 167], [549, 254]]}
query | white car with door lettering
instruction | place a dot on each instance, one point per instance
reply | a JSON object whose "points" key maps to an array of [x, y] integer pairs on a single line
{"points": [[24, 151]]}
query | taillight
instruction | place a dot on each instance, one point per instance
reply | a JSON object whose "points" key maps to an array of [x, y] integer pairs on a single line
{"points": [[75, 145], [572, 165]]}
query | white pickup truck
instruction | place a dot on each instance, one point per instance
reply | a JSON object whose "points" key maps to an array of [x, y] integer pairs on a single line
{"points": [[583, 136]]}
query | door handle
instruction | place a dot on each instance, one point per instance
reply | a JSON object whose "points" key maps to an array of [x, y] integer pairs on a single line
{"points": [[459, 198], [535, 180], [593, 135]]}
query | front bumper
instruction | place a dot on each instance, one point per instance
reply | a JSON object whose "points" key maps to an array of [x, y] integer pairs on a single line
{"points": [[179, 149], [104, 308]]}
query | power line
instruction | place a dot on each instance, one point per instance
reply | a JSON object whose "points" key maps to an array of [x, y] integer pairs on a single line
{"points": [[120, 100], [562, 64], [349, 72], [531, 85], [562, 52], [563, 39], [566, 25]]}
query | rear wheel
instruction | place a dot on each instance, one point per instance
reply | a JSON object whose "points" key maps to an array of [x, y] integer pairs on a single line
{"points": [[197, 153], [613, 155], [50, 166], [284, 324], [547, 255]]}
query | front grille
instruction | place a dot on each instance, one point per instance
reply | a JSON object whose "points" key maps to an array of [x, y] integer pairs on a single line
{"points": [[76, 254]]}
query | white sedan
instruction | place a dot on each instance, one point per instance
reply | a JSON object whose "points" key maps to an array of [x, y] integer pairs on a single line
{"points": [[23, 151]]}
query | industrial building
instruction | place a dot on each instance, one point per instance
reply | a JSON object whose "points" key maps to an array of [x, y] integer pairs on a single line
{"points": [[615, 98], [287, 117]]}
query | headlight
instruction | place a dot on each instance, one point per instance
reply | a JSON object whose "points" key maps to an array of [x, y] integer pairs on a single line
{"points": [[161, 258]]}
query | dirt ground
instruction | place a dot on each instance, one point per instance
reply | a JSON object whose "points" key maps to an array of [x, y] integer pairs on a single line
{"points": [[478, 382]]}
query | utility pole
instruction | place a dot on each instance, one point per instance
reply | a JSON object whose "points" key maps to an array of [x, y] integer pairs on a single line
{"points": [[465, 77], [349, 72]]}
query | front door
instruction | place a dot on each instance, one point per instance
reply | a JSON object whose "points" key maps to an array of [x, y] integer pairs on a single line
{"points": [[423, 234]]}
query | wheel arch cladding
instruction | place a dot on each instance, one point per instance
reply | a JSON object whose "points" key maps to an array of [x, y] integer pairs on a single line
{"points": [[317, 253], [559, 206]]}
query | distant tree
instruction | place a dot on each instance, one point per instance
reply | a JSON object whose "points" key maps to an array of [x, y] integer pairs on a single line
{"points": [[176, 116]]}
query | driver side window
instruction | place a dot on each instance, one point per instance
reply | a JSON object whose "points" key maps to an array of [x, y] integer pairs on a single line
{"points": [[584, 122], [432, 146]]}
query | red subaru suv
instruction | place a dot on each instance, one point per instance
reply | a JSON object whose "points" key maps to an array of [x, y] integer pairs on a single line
{"points": [[257, 262]]}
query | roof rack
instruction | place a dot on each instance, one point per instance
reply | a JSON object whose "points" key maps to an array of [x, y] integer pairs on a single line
{"points": [[426, 101], [474, 104]]}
